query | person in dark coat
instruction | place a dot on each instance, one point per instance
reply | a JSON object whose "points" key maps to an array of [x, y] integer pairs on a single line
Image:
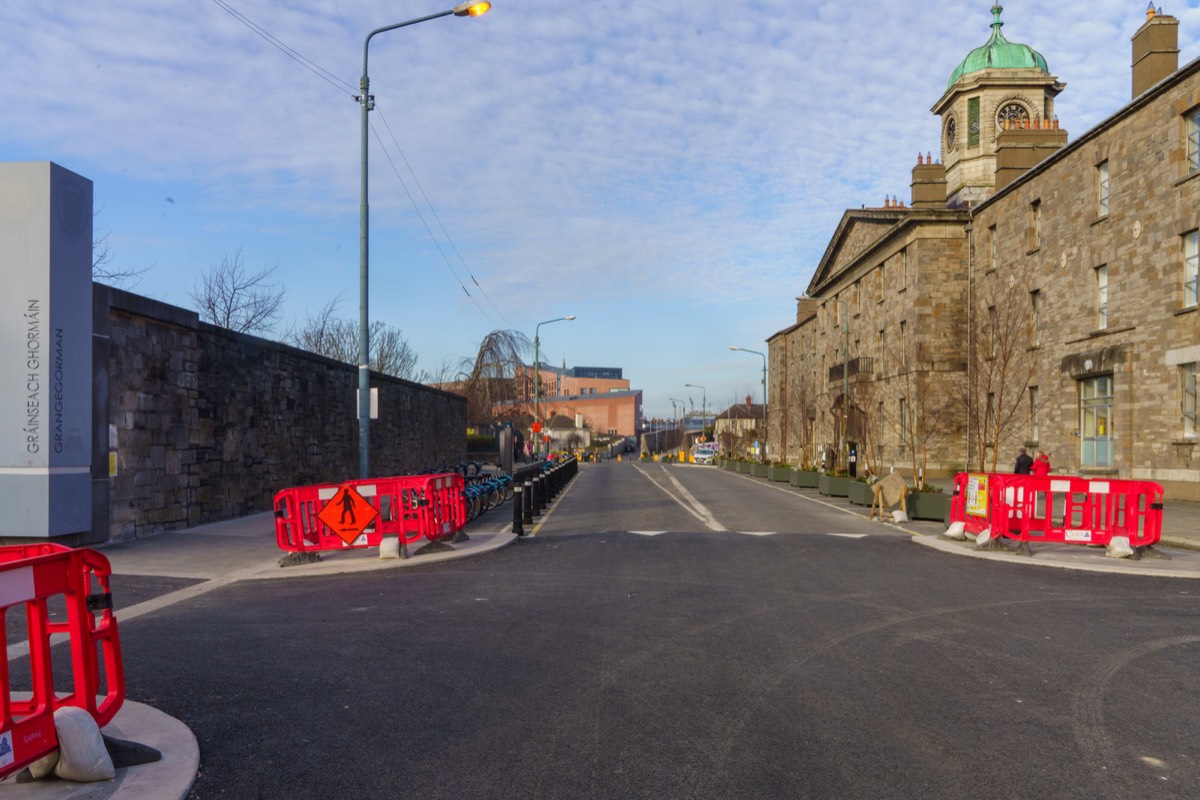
{"points": [[1024, 463]]}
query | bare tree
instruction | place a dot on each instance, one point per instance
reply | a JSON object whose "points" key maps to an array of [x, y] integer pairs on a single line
{"points": [[1000, 369], [241, 301], [489, 378], [923, 405], [102, 269], [327, 335]]}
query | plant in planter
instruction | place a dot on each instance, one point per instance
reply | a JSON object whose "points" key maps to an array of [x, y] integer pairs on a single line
{"points": [[804, 477], [929, 502], [780, 473], [834, 484], [858, 490]]}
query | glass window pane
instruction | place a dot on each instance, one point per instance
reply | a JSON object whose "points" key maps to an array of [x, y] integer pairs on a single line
{"points": [[1193, 143], [1191, 268]]}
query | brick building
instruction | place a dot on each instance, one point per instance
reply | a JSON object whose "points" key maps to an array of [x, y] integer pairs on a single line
{"points": [[599, 396], [1035, 293]]}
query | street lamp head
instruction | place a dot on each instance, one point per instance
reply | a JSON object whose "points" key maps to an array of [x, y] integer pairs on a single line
{"points": [[471, 9], [569, 317], [734, 347]]}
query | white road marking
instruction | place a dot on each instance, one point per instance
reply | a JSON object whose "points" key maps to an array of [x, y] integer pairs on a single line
{"points": [[649, 533], [686, 500]]}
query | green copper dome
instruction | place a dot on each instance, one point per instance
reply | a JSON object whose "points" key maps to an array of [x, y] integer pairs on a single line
{"points": [[999, 53]]}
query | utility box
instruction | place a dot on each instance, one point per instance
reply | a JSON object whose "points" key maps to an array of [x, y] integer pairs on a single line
{"points": [[46, 358]]}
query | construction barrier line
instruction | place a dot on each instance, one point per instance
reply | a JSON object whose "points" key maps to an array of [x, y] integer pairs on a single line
{"points": [[31, 575]]}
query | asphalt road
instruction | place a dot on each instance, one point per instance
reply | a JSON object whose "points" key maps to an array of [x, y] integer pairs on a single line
{"points": [[745, 642]]}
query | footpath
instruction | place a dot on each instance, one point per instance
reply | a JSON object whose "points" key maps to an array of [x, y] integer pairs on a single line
{"points": [[216, 555]]}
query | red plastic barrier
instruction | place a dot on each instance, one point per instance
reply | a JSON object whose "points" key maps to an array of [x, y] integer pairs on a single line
{"points": [[31, 575], [411, 507], [970, 504], [1060, 509]]}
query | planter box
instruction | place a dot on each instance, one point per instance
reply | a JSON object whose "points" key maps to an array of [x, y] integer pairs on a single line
{"points": [[929, 505], [860, 494], [780, 474], [804, 478], [745, 467], [833, 487], [759, 470]]}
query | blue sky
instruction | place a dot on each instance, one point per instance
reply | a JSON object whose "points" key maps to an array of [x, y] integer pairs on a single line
{"points": [[669, 172]]}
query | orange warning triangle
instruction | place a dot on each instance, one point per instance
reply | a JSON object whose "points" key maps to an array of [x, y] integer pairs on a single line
{"points": [[347, 514]]}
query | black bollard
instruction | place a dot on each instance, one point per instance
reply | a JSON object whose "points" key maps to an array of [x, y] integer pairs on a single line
{"points": [[535, 497], [527, 504], [518, 508], [542, 499]]}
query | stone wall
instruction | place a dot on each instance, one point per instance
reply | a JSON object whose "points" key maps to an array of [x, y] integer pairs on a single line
{"points": [[1149, 331], [206, 424]]}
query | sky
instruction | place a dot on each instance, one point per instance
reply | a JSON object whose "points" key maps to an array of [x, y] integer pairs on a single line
{"points": [[668, 172]]}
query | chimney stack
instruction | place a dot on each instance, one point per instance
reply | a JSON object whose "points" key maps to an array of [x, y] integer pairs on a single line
{"points": [[1155, 50]]}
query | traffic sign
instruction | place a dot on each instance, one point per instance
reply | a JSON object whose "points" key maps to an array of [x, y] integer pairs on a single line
{"points": [[347, 514]]}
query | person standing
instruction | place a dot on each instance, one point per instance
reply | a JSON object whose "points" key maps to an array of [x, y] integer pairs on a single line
{"points": [[1041, 464], [1024, 463]]}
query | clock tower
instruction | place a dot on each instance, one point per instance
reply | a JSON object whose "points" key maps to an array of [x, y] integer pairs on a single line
{"points": [[999, 85]]}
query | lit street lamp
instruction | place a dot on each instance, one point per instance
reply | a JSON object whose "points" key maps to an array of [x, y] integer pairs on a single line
{"points": [[766, 412], [471, 8], [537, 378]]}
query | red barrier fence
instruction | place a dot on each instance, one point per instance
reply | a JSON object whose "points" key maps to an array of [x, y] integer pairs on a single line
{"points": [[359, 513], [1061, 509], [32, 575]]}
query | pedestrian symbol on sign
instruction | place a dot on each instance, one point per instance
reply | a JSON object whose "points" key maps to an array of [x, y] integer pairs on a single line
{"points": [[348, 514]]}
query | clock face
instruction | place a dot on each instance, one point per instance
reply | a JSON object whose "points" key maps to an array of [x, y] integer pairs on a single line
{"points": [[1011, 112], [951, 133]]}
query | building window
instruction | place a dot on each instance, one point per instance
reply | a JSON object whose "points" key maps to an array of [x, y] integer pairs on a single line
{"points": [[1191, 268], [993, 330], [973, 122], [881, 283], [882, 353], [1095, 421], [903, 426], [1187, 384], [992, 247], [904, 267], [1193, 140], [989, 421], [1035, 212], [1035, 322], [1033, 413], [879, 426], [1101, 297], [1102, 188], [903, 344]]}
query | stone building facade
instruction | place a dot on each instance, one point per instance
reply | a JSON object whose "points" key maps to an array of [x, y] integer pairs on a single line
{"points": [[1034, 294], [1099, 245], [204, 424]]}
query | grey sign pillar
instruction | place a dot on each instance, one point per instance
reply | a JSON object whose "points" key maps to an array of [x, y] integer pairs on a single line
{"points": [[46, 360]]}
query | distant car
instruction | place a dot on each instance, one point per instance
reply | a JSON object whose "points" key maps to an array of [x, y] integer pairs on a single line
{"points": [[704, 454]]}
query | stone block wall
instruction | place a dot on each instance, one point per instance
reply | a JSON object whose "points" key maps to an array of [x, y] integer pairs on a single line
{"points": [[207, 424]]}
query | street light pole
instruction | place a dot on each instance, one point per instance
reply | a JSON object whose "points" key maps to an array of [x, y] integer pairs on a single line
{"points": [[703, 404], [537, 378], [766, 408], [367, 102]]}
